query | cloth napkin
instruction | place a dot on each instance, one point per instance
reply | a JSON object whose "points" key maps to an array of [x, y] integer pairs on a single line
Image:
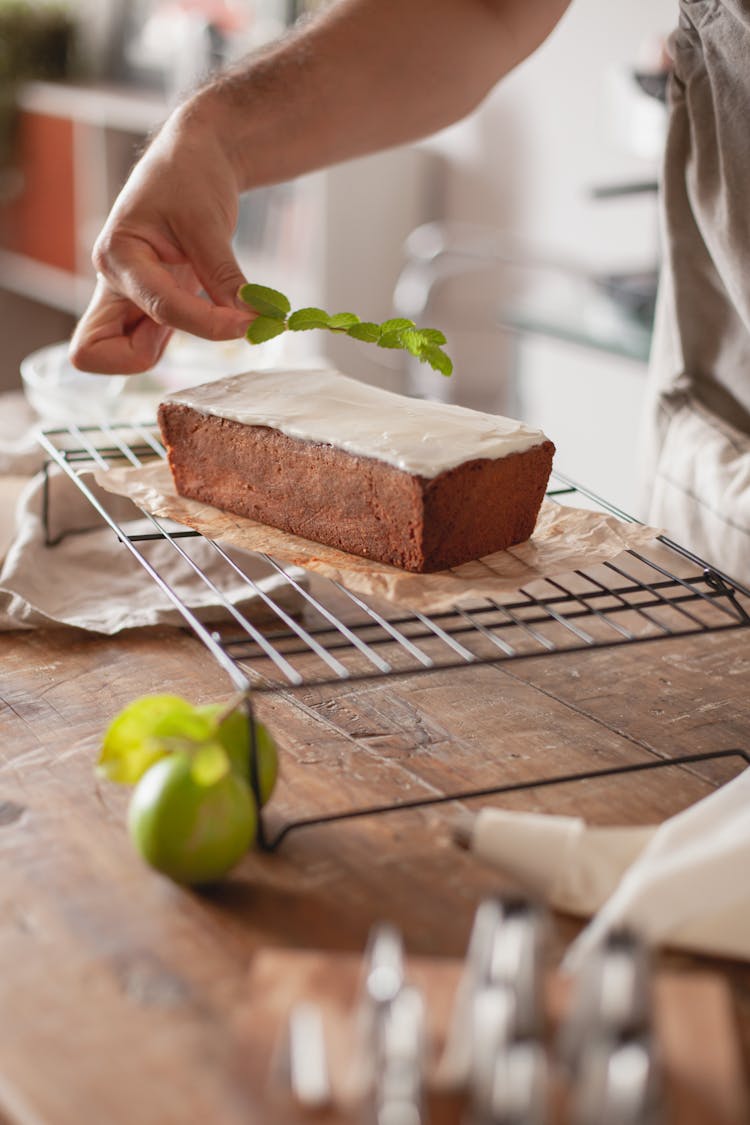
{"points": [[20, 452], [683, 883], [89, 579]]}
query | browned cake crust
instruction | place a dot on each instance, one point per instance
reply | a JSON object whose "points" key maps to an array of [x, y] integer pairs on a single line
{"points": [[357, 504]]}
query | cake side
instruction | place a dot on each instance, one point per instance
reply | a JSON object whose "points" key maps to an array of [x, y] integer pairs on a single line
{"points": [[357, 504], [483, 506], [322, 493]]}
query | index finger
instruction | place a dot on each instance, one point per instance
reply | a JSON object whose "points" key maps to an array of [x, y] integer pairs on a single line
{"points": [[153, 288]]}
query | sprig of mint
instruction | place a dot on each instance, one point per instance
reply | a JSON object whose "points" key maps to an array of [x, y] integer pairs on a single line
{"points": [[275, 316]]}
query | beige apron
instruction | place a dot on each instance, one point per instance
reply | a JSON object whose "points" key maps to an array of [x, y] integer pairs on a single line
{"points": [[696, 451]]}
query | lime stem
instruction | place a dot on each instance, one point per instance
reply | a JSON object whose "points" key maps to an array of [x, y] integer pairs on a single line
{"points": [[238, 700]]}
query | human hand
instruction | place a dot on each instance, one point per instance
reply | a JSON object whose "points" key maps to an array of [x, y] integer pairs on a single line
{"points": [[167, 238]]}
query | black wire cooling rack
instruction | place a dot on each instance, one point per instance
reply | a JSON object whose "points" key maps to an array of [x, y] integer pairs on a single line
{"points": [[305, 631]]}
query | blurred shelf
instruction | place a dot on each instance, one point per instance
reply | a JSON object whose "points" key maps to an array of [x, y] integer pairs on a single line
{"points": [[106, 107], [80, 141], [42, 283]]}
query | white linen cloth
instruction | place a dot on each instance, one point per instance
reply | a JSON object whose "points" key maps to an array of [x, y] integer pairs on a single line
{"points": [[683, 883], [89, 579]]}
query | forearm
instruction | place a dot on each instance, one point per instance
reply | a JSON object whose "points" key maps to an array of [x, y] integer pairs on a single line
{"points": [[367, 75]]}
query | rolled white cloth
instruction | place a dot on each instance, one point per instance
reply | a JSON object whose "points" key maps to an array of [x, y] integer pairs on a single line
{"points": [[683, 883]]}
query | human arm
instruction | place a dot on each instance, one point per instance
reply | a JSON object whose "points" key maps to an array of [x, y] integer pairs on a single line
{"points": [[365, 75]]}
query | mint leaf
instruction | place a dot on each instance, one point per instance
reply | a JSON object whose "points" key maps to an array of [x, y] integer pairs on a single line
{"points": [[267, 302], [437, 359], [264, 328], [343, 320], [432, 335], [391, 340], [366, 330], [395, 325], [398, 332], [413, 340], [308, 318]]}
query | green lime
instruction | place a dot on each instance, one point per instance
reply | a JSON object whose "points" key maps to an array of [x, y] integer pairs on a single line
{"points": [[234, 737], [194, 833]]}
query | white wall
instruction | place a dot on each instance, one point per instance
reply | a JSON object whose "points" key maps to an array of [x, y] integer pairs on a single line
{"points": [[525, 159], [524, 164]]}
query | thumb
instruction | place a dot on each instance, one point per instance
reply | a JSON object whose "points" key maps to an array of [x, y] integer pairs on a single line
{"points": [[218, 271]]}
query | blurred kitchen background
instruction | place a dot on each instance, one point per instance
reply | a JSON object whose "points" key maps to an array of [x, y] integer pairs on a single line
{"points": [[528, 232]]}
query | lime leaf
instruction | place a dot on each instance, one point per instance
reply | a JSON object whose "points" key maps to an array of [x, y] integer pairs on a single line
{"points": [[308, 318], [436, 358], [264, 328], [343, 320], [391, 339], [209, 763], [142, 733], [267, 302], [396, 324], [432, 335], [126, 767], [366, 330]]}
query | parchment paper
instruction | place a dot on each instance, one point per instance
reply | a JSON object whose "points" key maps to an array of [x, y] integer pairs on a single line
{"points": [[89, 580], [565, 539]]}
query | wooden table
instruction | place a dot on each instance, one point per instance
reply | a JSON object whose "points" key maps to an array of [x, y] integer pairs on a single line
{"points": [[122, 995]]}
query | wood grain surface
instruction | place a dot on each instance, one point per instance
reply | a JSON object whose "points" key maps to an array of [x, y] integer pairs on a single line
{"points": [[122, 993]]}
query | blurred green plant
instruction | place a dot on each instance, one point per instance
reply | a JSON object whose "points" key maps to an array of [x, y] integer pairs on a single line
{"points": [[36, 42]]}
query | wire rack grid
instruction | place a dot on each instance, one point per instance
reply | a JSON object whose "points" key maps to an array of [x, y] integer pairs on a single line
{"points": [[305, 631], [316, 632]]}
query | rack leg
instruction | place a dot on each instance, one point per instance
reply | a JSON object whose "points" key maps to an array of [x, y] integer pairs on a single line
{"points": [[254, 770]]}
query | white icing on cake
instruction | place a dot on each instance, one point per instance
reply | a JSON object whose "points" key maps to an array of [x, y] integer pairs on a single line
{"points": [[422, 438]]}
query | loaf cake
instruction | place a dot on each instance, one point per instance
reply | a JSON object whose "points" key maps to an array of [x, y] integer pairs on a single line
{"points": [[421, 485]]}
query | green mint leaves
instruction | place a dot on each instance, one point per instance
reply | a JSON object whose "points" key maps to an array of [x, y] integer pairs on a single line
{"points": [[267, 302], [306, 318], [275, 316], [265, 328]]}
